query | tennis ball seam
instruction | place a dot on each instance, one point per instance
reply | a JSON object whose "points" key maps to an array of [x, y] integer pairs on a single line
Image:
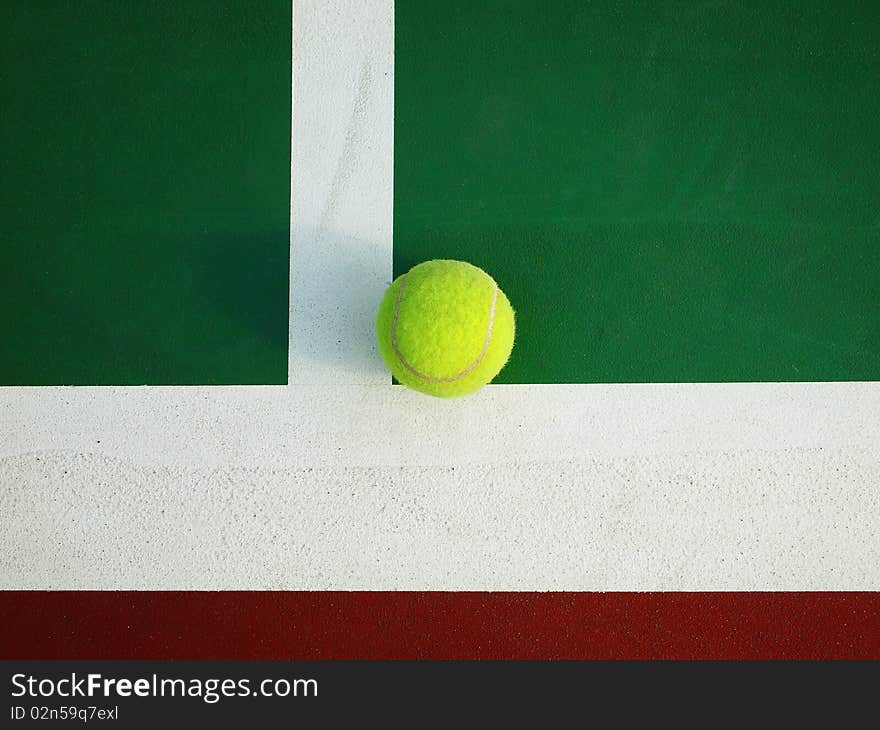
{"points": [[424, 376]]}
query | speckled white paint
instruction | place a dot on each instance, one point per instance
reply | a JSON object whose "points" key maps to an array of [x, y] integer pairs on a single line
{"points": [[787, 519], [340, 480]]}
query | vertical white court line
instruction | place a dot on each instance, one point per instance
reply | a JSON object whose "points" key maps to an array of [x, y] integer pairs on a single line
{"points": [[342, 138]]}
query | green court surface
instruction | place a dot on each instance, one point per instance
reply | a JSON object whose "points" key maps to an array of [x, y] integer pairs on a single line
{"points": [[145, 192], [667, 191]]}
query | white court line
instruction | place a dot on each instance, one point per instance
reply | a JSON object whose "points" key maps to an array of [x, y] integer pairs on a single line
{"points": [[340, 480]]}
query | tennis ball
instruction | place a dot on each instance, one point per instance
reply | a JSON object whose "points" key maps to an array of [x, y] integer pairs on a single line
{"points": [[445, 328]]}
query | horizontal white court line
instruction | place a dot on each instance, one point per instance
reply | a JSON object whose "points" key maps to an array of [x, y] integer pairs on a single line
{"points": [[389, 426], [796, 520]]}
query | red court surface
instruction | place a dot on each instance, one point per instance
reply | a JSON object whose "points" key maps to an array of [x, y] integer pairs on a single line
{"points": [[439, 625]]}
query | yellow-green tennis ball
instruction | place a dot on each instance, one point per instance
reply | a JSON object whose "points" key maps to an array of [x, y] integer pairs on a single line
{"points": [[445, 328]]}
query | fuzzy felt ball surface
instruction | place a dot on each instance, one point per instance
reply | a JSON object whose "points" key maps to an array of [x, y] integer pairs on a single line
{"points": [[445, 328]]}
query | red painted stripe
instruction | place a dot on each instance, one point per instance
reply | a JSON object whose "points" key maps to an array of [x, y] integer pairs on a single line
{"points": [[433, 625]]}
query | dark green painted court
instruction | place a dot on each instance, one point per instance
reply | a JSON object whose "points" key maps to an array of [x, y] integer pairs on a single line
{"points": [[145, 192], [667, 191]]}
